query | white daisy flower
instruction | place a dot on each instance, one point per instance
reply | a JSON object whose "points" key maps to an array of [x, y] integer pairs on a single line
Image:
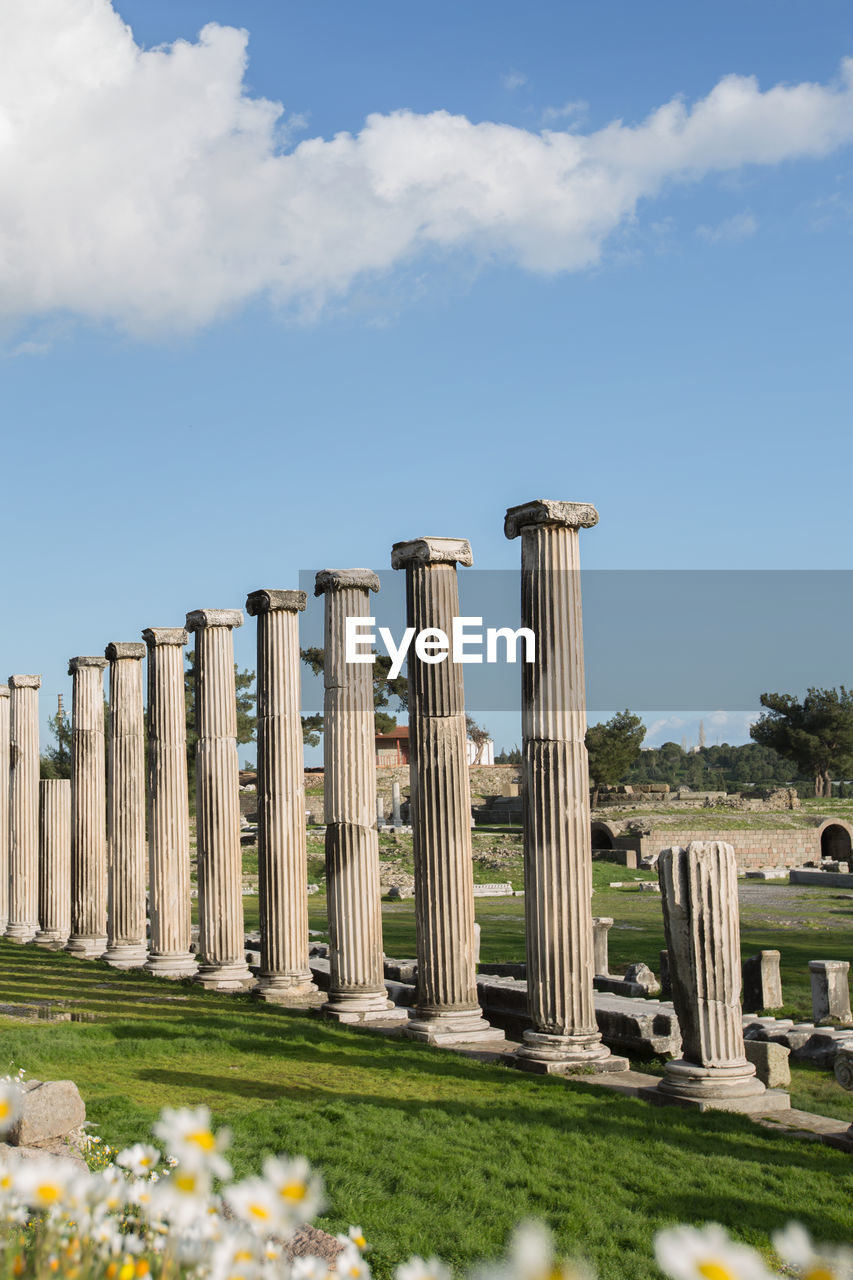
{"points": [[423, 1269], [11, 1105], [50, 1183], [140, 1159], [190, 1139], [706, 1253], [823, 1262], [257, 1202], [310, 1268], [299, 1189], [350, 1265]]}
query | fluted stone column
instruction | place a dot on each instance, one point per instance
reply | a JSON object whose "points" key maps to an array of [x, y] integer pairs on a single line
{"points": [[285, 976], [54, 863], [700, 911], [357, 977], [23, 808], [396, 819], [446, 1011], [168, 806], [88, 810], [222, 949], [555, 796], [126, 853], [4, 807]]}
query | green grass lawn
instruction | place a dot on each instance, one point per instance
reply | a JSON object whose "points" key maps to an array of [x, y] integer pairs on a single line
{"points": [[428, 1151]]}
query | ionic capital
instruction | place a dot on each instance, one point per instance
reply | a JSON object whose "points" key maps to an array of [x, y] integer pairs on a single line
{"points": [[156, 636], [340, 579], [4, 691], [424, 551], [130, 649], [201, 619], [77, 664], [265, 600], [24, 682], [570, 515]]}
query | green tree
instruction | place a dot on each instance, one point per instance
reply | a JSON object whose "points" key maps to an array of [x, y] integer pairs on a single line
{"points": [[384, 690], [509, 757], [55, 761], [478, 735], [613, 747], [247, 720], [817, 733]]}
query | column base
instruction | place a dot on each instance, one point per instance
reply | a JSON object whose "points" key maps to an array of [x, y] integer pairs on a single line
{"points": [[171, 964], [86, 946], [225, 977], [126, 955], [51, 939], [21, 932], [362, 1007], [450, 1027], [543, 1053], [290, 990], [715, 1089]]}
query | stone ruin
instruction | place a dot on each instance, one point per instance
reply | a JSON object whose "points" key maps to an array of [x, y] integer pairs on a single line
{"points": [[80, 876]]}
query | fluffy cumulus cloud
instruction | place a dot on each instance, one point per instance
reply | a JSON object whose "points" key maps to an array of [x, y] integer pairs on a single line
{"points": [[149, 189]]}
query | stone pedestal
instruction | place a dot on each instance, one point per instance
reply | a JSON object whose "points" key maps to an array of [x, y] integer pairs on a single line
{"points": [[285, 975], [555, 796], [357, 983], [762, 982], [54, 863], [700, 907], [4, 807], [601, 926], [23, 808], [88, 810], [830, 991], [222, 950], [446, 1010], [126, 853], [168, 806]]}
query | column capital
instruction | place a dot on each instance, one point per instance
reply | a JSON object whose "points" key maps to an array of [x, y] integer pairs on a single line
{"points": [[341, 579], [4, 691], [76, 664], [24, 682], [420, 551], [130, 649], [201, 619], [570, 515], [267, 600], [155, 636]]}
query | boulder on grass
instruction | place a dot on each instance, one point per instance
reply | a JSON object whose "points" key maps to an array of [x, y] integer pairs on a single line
{"points": [[52, 1108]]}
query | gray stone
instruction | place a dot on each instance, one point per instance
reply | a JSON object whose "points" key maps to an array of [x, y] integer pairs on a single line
{"points": [[51, 1109], [830, 990], [601, 926], [643, 976], [762, 982], [770, 1062]]}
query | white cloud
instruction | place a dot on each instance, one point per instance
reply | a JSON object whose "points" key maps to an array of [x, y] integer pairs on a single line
{"points": [[147, 188], [569, 110], [514, 80], [739, 227]]}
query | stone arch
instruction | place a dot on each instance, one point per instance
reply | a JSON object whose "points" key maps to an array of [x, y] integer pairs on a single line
{"points": [[836, 839], [603, 835]]}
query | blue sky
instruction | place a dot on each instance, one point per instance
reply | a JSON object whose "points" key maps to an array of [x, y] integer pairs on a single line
{"points": [[234, 348]]}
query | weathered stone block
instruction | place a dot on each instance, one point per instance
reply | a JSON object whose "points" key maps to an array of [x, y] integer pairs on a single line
{"points": [[770, 1062], [762, 982], [51, 1109], [830, 990]]}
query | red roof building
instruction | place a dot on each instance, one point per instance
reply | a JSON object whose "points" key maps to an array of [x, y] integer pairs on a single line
{"points": [[392, 749]]}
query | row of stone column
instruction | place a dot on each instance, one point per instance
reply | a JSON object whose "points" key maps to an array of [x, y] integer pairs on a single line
{"points": [[108, 891]]}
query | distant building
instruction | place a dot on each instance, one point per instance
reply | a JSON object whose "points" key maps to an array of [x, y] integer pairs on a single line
{"points": [[392, 749], [487, 753]]}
